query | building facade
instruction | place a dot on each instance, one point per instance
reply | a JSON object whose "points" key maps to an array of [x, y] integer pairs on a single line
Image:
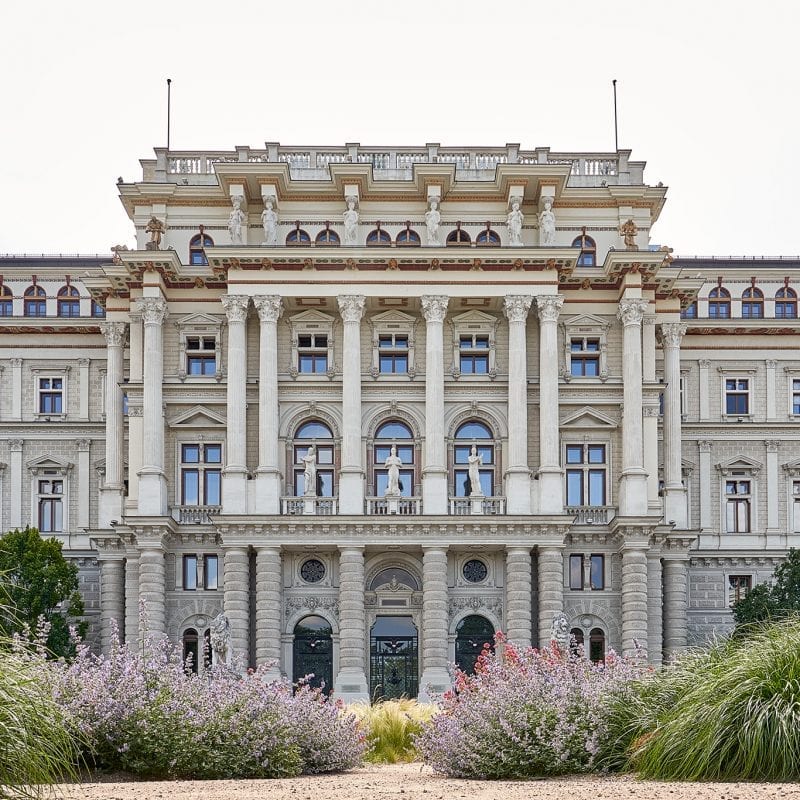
{"points": [[374, 404]]}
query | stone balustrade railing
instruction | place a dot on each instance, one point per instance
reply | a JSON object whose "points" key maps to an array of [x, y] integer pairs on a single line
{"points": [[465, 506], [591, 515], [198, 515], [403, 506]]}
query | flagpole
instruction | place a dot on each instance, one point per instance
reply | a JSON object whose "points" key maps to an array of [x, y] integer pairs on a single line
{"points": [[616, 135], [169, 100]]}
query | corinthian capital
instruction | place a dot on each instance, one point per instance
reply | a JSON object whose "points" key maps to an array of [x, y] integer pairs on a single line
{"points": [[434, 307], [268, 306], [351, 306], [631, 310], [672, 333], [516, 307], [548, 306], [114, 333], [153, 310], [235, 306]]}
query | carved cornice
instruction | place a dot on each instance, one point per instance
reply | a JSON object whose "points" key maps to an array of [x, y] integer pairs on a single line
{"points": [[434, 307], [268, 306], [631, 310], [153, 310], [236, 306], [351, 307]]}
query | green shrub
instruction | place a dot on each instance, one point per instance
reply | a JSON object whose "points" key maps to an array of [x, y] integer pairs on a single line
{"points": [[390, 728]]}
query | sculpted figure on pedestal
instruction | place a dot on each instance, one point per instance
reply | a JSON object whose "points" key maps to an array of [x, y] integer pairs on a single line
{"points": [[220, 639], [559, 633], [156, 230], [310, 472], [269, 219], [432, 220], [628, 231], [393, 463], [547, 225], [236, 220], [351, 223], [514, 221], [475, 460]]}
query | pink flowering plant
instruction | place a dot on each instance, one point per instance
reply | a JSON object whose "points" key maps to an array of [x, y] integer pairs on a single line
{"points": [[525, 713]]}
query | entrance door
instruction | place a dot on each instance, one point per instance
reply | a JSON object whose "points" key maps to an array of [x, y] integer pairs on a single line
{"points": [[394, 656], [472, 635], [313, 652]]}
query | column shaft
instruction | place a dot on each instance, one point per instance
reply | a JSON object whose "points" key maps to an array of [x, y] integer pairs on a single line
{"points": [[351, 681], [518, 596], [674, 491], [132, 599], [236, 601], [112, 601], [110, 506], [268, 608], [634, 600], [551, 589], [152, 588], [655, 636], [435, 678], [676, 606]]}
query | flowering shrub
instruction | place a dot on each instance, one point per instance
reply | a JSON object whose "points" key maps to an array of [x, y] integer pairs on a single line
{"points": [[143, 713], [524, 714]]}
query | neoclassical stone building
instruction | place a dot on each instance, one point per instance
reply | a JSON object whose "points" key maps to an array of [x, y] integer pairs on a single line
{"points": [[374, 404]]}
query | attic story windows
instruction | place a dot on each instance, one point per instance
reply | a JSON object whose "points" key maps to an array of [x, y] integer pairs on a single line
{"points": [[200, 339], [392, 344], [585, 347], [474, 346], [312, 344]]}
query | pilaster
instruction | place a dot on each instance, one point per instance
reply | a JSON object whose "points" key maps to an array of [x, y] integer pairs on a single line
{"points": [[112, 491], [152, 589], [14, 493], [674, 491]]}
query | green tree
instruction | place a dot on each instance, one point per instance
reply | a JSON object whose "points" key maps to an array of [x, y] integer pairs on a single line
{"points": [[39, 583], [769, 602]]}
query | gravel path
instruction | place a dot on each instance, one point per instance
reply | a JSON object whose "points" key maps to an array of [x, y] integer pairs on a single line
{"points": [[415, 782]]}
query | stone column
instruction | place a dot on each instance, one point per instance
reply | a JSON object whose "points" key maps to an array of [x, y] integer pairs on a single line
{"points": [[771, 413], [112, 600], [351, 474], [351, 681], [111, 495], [655, 635], [234, 476], [550, 474], [14, 494], [518, 596], [676, 606], [518, 474], [268, 474], [551, 589], [703, 390], [16, 389], [135, 410], [132, 598], [633, 480], [268, 609], [773, 486], [435, 678], [651, 413], [152, 588], [83, 493], [705, 448], [434, 473], [634, 598], [152, 482], [236, 600], [674, 490]]}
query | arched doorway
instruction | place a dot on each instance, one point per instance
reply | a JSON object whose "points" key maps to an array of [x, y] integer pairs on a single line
{"points": [[312, 652], [196, 648], [393, 658], [597, 645], [473, 634]]}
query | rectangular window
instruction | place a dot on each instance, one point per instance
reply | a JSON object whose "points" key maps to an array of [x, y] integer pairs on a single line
{"points": [[752, 309], [796, 506], [737, 506], [737, 396], [597, 572], [201, 355], [211, 572], [201, 474], [473, 354], [576, 571], [586, 474], [190, 573], [584, 357], [393, 354], [785, 309], [51, 395], [739, 587], [51, 518], [795, 396], [312, 353]]}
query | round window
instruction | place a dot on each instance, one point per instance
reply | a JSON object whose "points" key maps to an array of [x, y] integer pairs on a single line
{"points": [[312, 571], [475, 571]]}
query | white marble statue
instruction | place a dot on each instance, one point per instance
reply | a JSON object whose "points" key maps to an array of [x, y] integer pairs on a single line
{"points": [[393, 463], [514, 221], [350, 223], [432, 220], [475, 460], [236, 221], [221, 639], [547, 225], [310, 472], [559, 632], [269, 219]]}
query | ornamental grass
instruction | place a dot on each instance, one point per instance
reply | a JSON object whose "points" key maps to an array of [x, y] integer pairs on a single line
{"points": [[391, 728]]}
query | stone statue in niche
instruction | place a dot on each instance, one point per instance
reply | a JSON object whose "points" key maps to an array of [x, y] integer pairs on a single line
{"points": [[432, 220], [269, 219], [559, 633], [236, 221], [156, 230], [393, 463], [474, 461], [350, 222], [310, 472], [628, 231], [220, 639], [514, 221], [547, 225]]}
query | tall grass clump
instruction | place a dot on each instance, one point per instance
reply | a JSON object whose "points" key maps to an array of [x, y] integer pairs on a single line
{"points": [[730, 713], [391, 727], [524, 714]]}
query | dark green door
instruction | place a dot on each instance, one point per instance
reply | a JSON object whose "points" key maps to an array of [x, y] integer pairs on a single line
{"points": [[472, 635], [313, 652], [394, 658]]}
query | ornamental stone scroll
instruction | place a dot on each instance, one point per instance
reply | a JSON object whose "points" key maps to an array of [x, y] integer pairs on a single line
{"points": [[434, 307]]}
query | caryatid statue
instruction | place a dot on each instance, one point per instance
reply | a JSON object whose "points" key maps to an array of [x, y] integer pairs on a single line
{"points": [[547, 224], [350, 217], [514, 221], [310, 472], [236, 221], [269, 219], [432, 220], [393, 463]]}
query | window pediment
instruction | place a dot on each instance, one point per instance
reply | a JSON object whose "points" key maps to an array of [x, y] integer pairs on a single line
{"points": [[739, 463], [588, 321], [198, 417], [792, 467], [200, 322], [588, 417], [35, 465]]}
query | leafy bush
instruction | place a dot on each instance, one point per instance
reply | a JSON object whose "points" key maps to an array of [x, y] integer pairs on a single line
{"points": [[771, 601], [143, 713], [730, 713], [391, 728], [524, 714]]}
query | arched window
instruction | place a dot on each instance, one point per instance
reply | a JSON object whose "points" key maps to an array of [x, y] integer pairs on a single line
{"points": [[69, 304], [474, 634], [597, 645], [35, 303], [477, 434], [786, 303], [457, 238], [97, 309], [752, 303], [327, 237], [487, 238], [576, 646], [312, 652], [690, 312], [318, 435], [394, 576], [298, 237], [197, 244], [378, 237], [397, 434], [588, 255], [196, 648], [408, 238], [719, 303], [6, 302]]}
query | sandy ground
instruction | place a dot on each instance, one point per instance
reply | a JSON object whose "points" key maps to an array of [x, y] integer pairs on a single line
{"points": [[415, 782]]}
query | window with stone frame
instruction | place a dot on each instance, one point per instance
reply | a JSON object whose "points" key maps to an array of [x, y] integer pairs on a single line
{"points": [[68, 303], [736, 396], [312, 344], [200, 471], [6, 301], [786, 303], [397, 433], [393, 334], [584, 360], [468, 434], [719, 303], [313, 432], [200, 571], [739, 587], [587, 571], [34, 303], [474, 345], [51, 395], [796, 506], [586, 470], [201, 356], [738, 505], [752, 303], [50, 504], [794, 398], [200, 347], [585, 348]]}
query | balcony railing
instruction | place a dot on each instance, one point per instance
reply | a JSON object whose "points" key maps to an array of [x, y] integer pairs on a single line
{"points": [[403, 506], [321, 506], [195, 515], [591, 515], [466, 506]]}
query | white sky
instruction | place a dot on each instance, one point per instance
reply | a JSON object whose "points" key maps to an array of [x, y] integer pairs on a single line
{"points": [[708, 96]]}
